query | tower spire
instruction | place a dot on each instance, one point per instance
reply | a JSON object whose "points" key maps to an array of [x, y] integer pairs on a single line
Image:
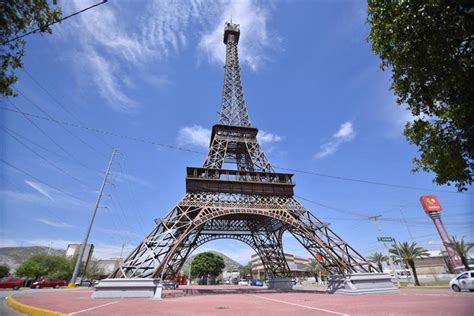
{"points": [[233, 108]]}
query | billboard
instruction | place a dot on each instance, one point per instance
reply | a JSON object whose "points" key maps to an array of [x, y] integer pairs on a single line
{"points": [[430, 204], [73, 250]]}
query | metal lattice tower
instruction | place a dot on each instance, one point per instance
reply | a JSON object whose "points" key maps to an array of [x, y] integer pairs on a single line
{"points": [[233, 111], [250, 202]]}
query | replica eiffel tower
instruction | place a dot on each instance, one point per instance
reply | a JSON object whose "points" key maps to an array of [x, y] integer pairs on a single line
{"points": [[250, 202]]}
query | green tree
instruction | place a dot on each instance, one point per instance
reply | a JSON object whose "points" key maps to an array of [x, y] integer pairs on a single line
{"points": [[378, 258], [207, 264], [94, 269], [245, 271], [409, 252], [315, 268], [46, 265], [462, 249], [31, 269], [17, 18], [429, 46], [4, 270]]}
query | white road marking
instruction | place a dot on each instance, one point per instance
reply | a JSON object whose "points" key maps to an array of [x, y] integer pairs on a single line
{"points": [[435, 294], [89, 309], [303, 306]]}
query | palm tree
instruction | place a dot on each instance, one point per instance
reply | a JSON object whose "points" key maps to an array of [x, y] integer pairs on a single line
{"points": [[315, 268], [409, 252], [461, 248], [378, 258]]}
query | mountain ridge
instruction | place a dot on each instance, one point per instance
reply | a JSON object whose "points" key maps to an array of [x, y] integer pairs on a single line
{"points": [[14, 256]]}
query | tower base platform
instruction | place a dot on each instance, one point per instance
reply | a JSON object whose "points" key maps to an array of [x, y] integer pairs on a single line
{"points": [[280, 284], [128, 288], [361, 283]]}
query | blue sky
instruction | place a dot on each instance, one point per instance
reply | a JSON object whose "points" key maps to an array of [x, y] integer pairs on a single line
{"points": [[154, 71]]}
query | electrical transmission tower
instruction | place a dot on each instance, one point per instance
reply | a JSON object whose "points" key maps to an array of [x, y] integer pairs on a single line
{"points": [[249, 202]]}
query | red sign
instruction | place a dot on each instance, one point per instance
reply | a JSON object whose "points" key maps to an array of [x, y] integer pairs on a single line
{"points": [[430, 203], [319, 257]]}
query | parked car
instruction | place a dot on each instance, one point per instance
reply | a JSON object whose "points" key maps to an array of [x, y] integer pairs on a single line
{"points": [[464, 281], [169, 285], [86, 282], [243, 282], [11, 282], [48, 282], [256, 282]]}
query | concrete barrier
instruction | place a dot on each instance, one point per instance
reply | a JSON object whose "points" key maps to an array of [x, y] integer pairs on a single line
{"points": [[361, 283], [280, 284], [128, 288]]}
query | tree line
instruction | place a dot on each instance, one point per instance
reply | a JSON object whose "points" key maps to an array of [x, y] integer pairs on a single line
{"points": [[408, 252], [54, 266]]}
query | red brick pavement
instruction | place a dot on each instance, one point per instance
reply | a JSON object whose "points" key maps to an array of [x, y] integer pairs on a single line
{"points": [[250, 301]]}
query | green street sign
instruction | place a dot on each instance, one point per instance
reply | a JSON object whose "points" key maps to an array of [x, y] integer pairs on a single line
{"points": [[385, 239]]}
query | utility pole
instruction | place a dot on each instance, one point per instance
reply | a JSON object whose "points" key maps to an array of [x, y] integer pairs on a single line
{"points": [[49, 248], [390, 261], [91, 221], [121, 252]]}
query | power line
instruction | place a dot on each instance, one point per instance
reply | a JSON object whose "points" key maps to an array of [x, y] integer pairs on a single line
{"points": [[121, 214], [332, 207], [42, 157], [364, 217], [367, 181], [35, 144], [39, 180], [65, 109], [59, 21], [142, 140], [131, 195], [49, 137], [61, 125], [96, 130]]}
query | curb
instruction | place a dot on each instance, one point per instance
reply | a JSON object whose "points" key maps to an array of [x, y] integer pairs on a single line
{"points": [[30, 310], [434, 287]]}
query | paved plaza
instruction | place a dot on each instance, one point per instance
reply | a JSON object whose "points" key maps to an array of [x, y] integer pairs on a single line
{"points": [[235, 300]]}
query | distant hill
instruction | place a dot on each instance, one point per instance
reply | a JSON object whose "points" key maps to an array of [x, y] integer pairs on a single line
{"points": [[230, 265], [14, 256]]}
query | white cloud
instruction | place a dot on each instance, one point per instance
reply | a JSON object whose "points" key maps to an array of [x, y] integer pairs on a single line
{"points": [[344, 134], [108, 80], [118, 232], [53, 243], [29, 198], [194, 136], [49, 198], [254, 40], [101, 250], [265, 138], [125, 177], [40, 188], [115, 40], [199, 136], [11, 243], [54, 224]]}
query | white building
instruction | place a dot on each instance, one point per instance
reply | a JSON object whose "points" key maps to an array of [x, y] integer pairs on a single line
{"points": [[298, 266]]}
